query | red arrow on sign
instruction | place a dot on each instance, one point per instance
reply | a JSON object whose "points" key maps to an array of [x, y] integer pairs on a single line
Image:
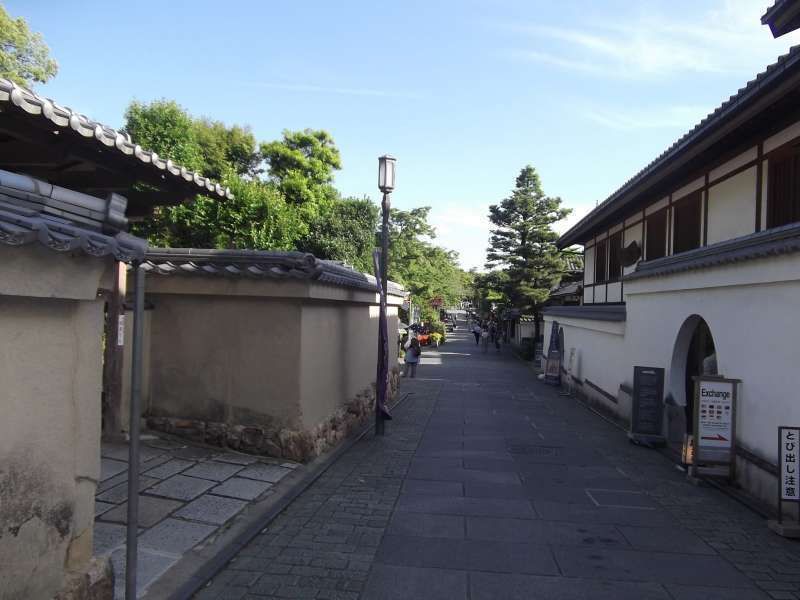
{"points": [[717, 437]]}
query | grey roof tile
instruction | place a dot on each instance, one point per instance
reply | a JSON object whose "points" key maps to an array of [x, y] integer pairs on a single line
{"points": [[257, 264], [105, 136]]}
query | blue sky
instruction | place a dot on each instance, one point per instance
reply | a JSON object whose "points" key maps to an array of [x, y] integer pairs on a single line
{"points": [[464, 93]]}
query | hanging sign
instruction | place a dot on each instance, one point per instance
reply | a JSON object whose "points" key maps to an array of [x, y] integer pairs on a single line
{"points": [[715, 420], [788, 453]]}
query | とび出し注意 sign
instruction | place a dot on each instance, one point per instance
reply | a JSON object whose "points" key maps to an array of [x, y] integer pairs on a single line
{"points": [[788, 451], [715, 419]]}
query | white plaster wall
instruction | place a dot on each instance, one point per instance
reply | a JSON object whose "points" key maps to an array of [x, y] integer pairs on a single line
{"points": [[751, 311], [732, 207], [339, 356], [50, 384], [600, 356], [614, 292]]}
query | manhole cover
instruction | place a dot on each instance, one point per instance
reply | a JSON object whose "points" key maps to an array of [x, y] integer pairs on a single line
{"points": [[533, 450]]}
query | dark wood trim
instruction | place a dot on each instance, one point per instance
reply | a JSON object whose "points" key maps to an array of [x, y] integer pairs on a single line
{"points": [[704, 200], [600, 391], [759, 183], [734, 173], [669, 227]]}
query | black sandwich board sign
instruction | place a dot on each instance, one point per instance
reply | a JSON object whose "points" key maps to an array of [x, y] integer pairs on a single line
{"points": [[647, 415], [714, 425], [552, 366]]}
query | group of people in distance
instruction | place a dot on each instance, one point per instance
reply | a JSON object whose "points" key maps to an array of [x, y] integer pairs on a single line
{"points": [[486, 332]]}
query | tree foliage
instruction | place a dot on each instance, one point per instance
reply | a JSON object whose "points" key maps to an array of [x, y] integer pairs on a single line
{"points": [[24, 57], [302, 165], [344, 230], [523, 242], [427, 271], [292, 204]]}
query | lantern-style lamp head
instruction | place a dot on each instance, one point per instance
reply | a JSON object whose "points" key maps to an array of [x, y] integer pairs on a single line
{"points": [[386, 172]]}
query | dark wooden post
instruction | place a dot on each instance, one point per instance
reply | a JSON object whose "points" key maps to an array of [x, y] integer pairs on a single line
{"points": [[113, 354]]}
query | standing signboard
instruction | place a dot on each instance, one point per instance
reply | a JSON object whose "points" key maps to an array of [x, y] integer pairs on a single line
{"points": [[552, 366], [788, 454], [648, 404], [714, 424]]}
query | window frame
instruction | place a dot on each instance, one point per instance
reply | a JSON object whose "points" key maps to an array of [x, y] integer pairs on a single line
{"points": [[614, 251], [679, 231], [604, 245], [660, 213], [790, 152]]}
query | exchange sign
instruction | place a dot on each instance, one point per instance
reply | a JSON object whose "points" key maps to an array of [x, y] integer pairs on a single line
{"points": [[715, 420]]}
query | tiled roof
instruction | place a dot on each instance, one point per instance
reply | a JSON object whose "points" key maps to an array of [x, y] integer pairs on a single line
{"points": [[33, 211], [258, 264], [105, 136], [727, 109], [772, 242]]}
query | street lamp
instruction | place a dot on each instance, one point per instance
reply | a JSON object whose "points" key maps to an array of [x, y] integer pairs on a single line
{"points": [[386, 175]]}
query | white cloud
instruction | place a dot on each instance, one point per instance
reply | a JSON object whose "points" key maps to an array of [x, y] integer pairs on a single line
{"points": [[727, 38], [656, 117]]}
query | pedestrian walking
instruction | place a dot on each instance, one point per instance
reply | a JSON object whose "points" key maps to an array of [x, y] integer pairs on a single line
{"points": [[485, 339], [476, 331], [413, 353]]}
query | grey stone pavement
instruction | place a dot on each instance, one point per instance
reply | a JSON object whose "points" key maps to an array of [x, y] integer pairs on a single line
{"points": [[188, 494], [488, 484]]}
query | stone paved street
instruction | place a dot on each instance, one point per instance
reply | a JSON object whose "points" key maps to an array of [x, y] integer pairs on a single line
{"points": [[489, 485]]}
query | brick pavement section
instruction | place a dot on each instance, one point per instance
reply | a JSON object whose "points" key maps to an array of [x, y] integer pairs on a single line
{"points": [[324, 544], [490, 485]]}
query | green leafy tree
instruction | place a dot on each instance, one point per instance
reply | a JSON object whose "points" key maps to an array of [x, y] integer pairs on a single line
{"points": [[523, 242], [24, 57], [302, 165], [427, 271], [344, 230], [166, 128], [224, 147]]}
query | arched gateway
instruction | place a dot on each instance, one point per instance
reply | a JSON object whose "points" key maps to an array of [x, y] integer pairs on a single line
{"points": [[694, 354]]}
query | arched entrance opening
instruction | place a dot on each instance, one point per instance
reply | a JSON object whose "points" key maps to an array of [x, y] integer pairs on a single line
{"points": [[694, 354]]}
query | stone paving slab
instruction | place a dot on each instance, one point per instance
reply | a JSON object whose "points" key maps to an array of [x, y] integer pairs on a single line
{"points": [[214, 471], [150, 566], [170, 468], [119, 493], [390, 582], [173, 536], [640, 565], [211, 509], [181, 487], [110, 467], [262, 472], [244, 489], [435, 526], [467, 555], [495, 586], [151, 511]]}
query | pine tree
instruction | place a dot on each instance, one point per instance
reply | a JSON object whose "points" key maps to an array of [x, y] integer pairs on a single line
{"points": [[523, 242]]}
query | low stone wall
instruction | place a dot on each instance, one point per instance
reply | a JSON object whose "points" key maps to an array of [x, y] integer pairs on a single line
{"points": [[291, 444]]}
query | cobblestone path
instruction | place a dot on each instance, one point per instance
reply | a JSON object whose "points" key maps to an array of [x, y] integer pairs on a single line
{"points": [[490, 485]]}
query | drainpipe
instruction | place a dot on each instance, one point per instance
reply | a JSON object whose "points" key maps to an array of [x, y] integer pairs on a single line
{"points": [[131, 543]]}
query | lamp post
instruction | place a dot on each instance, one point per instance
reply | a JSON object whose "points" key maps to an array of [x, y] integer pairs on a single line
{"points": [[386, 176]]}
